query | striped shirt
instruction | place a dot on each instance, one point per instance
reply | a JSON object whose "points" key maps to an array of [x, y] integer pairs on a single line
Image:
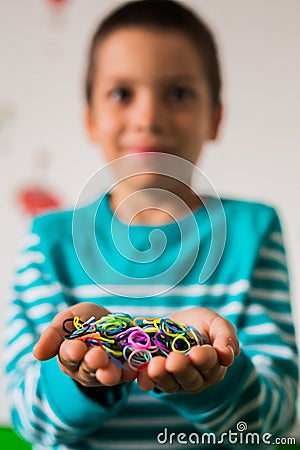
{"points": [[229, 259]]}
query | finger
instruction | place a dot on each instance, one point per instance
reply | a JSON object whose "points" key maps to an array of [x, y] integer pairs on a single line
{"points": [[199, 318], [128, 374], [71, 354], [184, 372], [217, 330], [110, 375], [86, 378], [224, 340], [164, 380], [95, 358], [205, 359], [144, 381]]}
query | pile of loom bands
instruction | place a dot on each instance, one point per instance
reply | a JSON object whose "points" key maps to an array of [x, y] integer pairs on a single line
{"points": [[134, 340]]}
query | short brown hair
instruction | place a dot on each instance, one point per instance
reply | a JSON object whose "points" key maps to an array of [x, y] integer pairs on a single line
{"points": [[165, 15]]}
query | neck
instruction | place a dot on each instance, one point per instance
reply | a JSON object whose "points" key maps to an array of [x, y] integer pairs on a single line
{"points": [[153, 206]]}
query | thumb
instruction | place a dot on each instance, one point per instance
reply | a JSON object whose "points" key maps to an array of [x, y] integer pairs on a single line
{"points": [[49, 343], [51, 339], [224, 339]]}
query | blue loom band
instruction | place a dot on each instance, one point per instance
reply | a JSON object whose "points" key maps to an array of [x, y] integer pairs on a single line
{"points": [[116, 361]]}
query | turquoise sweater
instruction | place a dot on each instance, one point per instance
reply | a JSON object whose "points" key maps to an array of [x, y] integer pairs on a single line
{"points": [[155, 271]]}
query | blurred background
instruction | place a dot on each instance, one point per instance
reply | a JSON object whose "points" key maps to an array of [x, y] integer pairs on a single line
{"points": [[45, 158]]}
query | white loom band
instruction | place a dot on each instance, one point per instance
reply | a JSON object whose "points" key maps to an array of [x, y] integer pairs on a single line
{"points": [[125, 348], [92, 319], [153, 349], [138, 356], [135, 367], [196, 336], [151, 329]]}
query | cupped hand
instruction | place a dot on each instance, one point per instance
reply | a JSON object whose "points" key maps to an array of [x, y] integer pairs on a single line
{"points": [[88, 366], [204, 365]]}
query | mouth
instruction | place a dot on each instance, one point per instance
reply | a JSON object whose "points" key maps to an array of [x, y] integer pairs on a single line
{"points": [[147, 149]]}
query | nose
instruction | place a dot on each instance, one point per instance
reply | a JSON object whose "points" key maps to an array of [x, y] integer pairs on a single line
{"points": [[148, 113]]}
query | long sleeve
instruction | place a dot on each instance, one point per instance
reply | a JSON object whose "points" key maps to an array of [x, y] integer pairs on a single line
{"points": [[249, 287], [261, 387], [47, 407]]}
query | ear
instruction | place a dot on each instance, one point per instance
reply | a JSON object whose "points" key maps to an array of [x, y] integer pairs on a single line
{"points": [[216, 121], [89, 123]]}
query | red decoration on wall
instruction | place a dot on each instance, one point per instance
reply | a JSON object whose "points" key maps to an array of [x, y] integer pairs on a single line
{"points": [[35, 200]]}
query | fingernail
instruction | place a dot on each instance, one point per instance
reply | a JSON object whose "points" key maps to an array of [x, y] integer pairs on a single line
{"points": [[231, 348], [232, 345]]}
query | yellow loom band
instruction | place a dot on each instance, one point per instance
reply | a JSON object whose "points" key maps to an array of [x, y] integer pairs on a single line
{"points": [[134, 322], [116, 353], [149, 320], [144, 320], [150, 330], [109, 325], [76, 323], [110, 341], [156, 323], [180, 336], [125, 319], [92, 336], [112, 332]]}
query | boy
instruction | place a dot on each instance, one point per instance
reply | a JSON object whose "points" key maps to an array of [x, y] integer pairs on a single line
{"points": [[153, 97]]}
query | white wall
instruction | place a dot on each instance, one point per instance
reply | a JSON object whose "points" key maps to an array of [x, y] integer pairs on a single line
{"points": [[42, 58]]}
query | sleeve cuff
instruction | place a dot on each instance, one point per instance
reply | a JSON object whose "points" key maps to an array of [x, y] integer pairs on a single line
{"points": [[70, 404]]}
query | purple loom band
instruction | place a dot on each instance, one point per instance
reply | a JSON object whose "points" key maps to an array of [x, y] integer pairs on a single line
{"points": [[125, 333], [159, 344], [137, 344]]}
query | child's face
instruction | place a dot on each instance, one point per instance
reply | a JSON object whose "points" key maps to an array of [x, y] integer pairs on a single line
{"points": [[150, 94]]}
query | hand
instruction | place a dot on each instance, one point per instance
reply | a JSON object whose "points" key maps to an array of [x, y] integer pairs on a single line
{"points": [[88, 366], [204, 366]]}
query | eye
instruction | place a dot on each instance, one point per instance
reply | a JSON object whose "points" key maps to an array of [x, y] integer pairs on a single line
{"points": [[120, 94], [180, 93]]}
